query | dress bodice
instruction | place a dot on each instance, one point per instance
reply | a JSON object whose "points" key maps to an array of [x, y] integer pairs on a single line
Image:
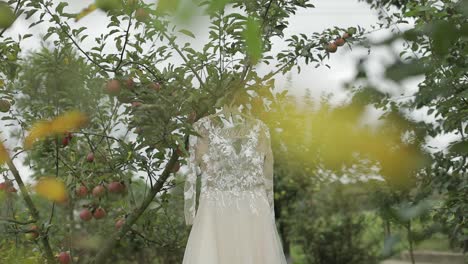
{"points": [[234, 158]]}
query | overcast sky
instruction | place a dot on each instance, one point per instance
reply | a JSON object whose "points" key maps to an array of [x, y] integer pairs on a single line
{"points": [[327, 14]]}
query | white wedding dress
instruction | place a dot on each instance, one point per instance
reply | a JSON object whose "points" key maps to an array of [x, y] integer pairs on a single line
{"points": [[235, 220]]}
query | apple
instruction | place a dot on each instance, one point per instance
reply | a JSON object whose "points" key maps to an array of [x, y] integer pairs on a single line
{"points": [[82, 191], [65, 141], [69, 135], [119, 223], [346, 35], [90, 157], [99, 213], [132, 2], [176, 167], [99, 191], [155, 86], [4, 106], [115, 187], [86, 215], [180, 152], [141, 14], [7, 16], [340, 42], [33, 233], [136, 104], [129, 83], [192, 116], [113, 87], [138, 130], [332, 47], [64, 258], [3, 186]]}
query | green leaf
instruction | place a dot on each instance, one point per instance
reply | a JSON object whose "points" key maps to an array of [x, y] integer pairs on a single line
{"points": [[60, 7], [400, 71], [253, 39], [167, 6], [444, 34], [187, 32], [460, 148], [107, 5], [217, 5]]}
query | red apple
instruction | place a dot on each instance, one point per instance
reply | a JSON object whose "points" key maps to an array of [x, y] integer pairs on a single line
{"points": [[113, 87], [115, 187], [129, 83], [119, 223], [192, 116], [64, 258], [340, 42], [82, 191], [65, 141], [141, 14], [3, 186], [155, 86], [90, 157], [86, 215], [99, 213], [180, 152], [33, 233], [176, 167], [138, 130], [332, 47], [99, 191], [346, 35], [136, 104]]}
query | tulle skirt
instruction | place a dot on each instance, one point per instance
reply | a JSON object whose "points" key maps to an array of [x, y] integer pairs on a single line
{"points": [[234, 230]]}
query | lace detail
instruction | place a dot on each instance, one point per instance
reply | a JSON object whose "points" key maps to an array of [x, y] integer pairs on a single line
{"points": [[235, 161]]}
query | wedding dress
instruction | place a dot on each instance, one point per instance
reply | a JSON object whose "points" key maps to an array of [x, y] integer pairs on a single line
{"points": [[235, 220]]}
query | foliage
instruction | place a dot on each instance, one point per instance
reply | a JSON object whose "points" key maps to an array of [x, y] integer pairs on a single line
{"points": [[331, 228], [436, 48], [132, 88]]}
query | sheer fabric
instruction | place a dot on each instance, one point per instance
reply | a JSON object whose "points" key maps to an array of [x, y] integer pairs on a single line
{"points": [[235, 221]]}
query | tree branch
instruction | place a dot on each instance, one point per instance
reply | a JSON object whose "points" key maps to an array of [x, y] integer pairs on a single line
{"points": [[16, 221], [106, 249], [184, 58], [32, 208], [125, 45], [64, 30]]}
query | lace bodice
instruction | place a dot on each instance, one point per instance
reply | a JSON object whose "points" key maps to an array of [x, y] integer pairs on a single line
{"points": [[232, 155]]}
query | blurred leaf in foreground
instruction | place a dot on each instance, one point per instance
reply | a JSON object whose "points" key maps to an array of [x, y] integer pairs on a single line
{"points": [[52, 189], [3, 153], [86, 11], [253, 40], [67, 122]]}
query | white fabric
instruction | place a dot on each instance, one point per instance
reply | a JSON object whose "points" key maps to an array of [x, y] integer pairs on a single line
{"points": [[235, 222]]}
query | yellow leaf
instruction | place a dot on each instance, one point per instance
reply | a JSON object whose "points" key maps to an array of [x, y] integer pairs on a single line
{"points": [[64, 123], [86, 11], [69, 121], [39, 131], [3, 153], [52, 189]]}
